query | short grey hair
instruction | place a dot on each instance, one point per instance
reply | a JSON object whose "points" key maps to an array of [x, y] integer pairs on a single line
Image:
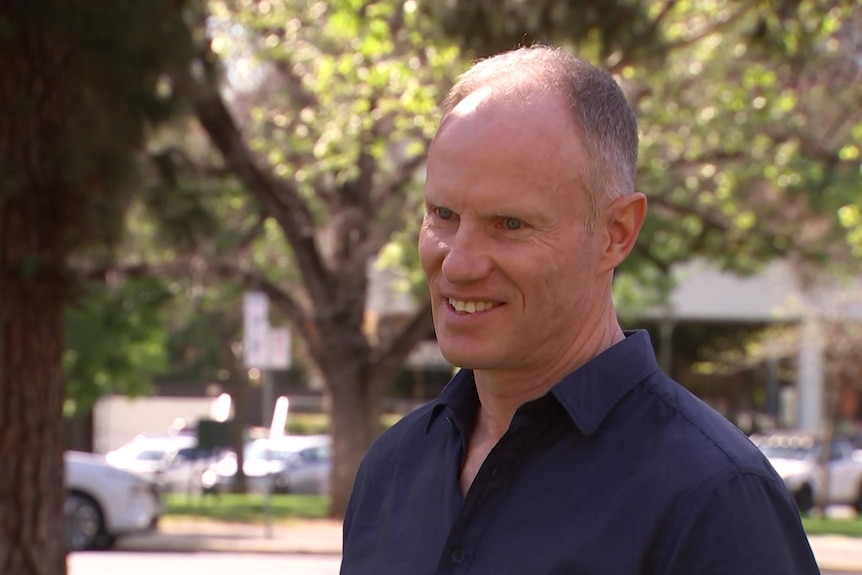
{"points": [[606, 121]]}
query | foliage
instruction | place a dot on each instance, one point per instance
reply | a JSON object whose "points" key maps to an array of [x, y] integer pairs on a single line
{"points": [[749, 117], [741, 154], [338, 98], [486, 27], [114, 341], [122, 51], [324, 121]]}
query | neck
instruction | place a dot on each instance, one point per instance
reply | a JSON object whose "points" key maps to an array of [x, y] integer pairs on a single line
{"points": [[501, 393]]}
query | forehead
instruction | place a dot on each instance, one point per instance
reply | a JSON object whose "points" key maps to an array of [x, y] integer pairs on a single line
{"points": [[496, 142]]}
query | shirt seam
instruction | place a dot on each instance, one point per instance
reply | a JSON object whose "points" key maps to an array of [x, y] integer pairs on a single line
{"points": [[649, 385]]}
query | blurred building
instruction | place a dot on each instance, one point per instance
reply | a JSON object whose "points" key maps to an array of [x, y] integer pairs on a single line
{"points": [[783, 386]]}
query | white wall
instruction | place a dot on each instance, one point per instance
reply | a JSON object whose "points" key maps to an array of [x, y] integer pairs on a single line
{"points": [[117, 420]]}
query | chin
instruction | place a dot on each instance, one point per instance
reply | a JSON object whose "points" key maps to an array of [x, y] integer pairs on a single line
{"points": [[466, 358], [456, 357]]}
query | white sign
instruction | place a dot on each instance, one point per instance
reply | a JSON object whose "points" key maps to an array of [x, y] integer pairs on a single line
{"points": [[279, 348], [255, 329]]}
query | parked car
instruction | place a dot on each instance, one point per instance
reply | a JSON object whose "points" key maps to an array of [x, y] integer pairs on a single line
{"points": [[104, 503], [175, 462], [797, 459], [298, 464]]}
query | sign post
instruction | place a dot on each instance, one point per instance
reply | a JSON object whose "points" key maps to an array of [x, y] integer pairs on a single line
{"points": [[277, 358], [266, 349], [255, 329], [279, 348]]}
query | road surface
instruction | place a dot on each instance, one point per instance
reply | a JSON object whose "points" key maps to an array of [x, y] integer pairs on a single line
{"points": [[220, 563]]}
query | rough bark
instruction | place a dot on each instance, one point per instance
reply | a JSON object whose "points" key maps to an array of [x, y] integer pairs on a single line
{"points": [[32, 536], [33, 98], [355, 423]]}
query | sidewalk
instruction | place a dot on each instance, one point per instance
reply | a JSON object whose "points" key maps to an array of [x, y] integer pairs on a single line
{"points": [[323, 536]]}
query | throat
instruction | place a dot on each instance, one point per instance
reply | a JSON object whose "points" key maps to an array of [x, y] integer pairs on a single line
{"points": [[480, 444], [469, 471]]}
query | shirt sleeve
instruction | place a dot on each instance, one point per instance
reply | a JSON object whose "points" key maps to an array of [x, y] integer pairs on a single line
{"points": [[743, 524]]}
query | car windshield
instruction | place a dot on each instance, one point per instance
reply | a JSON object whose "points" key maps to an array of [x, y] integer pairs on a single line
{"points": [[150, 455], [283, 451], [258, 451]]}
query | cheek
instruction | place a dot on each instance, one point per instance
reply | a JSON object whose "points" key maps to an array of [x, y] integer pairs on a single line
{"points": [[430, 251], [564, 279]]}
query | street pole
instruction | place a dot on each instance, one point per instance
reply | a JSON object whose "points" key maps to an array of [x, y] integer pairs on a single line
{"points": [[268, 478]]}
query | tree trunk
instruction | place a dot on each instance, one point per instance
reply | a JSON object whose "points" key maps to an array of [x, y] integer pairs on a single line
{"points": [[355, 420], [32, 294], [32, 535]]}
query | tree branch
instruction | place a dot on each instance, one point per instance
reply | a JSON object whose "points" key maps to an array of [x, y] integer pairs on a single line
{"points": [[389, 355], [279, 197]]}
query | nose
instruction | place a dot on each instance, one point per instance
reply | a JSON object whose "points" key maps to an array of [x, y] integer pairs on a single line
{"points": [[467, 257]]}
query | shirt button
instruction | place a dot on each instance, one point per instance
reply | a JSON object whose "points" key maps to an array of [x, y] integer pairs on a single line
{"points": [[458, 556]]}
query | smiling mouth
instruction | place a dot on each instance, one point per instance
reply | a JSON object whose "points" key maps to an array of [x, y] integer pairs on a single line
{"points": [[462, 306]]}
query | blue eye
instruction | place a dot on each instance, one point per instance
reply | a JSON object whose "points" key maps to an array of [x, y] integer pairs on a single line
{"points": [[443, 213], [513, 223]]}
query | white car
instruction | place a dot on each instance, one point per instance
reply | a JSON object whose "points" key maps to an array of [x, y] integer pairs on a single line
{"points": [[296, 464], [175, 462], [796, 458], [104, 503]]}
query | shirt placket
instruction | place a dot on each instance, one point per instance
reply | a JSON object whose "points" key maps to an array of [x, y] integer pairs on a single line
{"points": [[486, 495]]}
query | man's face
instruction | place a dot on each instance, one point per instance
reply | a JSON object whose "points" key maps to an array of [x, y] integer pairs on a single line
{"points": [[514, 276]]}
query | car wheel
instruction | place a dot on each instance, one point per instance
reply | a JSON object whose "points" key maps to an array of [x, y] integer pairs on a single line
{"points": [[804, 499], [85, 526]]}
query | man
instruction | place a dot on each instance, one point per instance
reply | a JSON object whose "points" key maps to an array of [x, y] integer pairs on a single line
{"points": [[559, 447]]}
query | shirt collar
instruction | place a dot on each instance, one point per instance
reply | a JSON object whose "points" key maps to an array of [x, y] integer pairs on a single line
{"points": [[460, 397], [588, 394]]}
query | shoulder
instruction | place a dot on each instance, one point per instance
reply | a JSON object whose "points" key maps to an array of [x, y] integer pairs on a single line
{"points": [[721, 484], [703, 436], [694, 452]]}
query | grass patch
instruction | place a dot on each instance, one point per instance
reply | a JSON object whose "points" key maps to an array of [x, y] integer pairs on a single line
{"points": [[318, 423], [307, 423], [249, 508], [826, 526], [242, 508]]}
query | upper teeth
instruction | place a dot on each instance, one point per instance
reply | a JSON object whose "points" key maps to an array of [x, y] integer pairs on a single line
{"points": [[470, 306]]}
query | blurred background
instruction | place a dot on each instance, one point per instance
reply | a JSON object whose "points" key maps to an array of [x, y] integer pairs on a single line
{"points": [[208, 206]]}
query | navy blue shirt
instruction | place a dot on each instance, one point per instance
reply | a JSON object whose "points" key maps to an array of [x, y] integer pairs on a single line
{"points": [[617, 470]]}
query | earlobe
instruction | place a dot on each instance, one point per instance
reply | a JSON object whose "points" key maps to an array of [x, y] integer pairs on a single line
{"points": [[624, 219]]}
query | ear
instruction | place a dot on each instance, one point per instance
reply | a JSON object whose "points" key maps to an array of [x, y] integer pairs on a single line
{"points": [[622, 221]]}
